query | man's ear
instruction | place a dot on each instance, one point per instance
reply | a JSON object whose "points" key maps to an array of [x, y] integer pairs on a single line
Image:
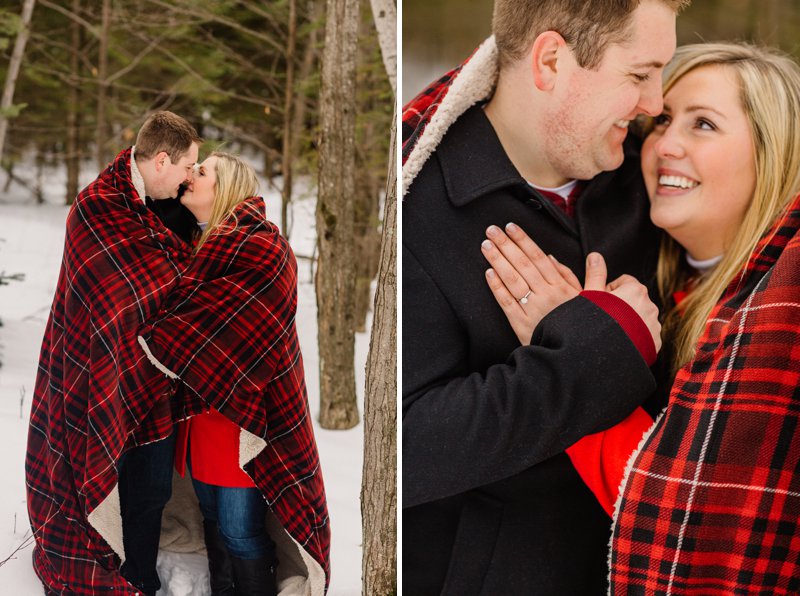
{"points": [[161, 159], [544, 59]]}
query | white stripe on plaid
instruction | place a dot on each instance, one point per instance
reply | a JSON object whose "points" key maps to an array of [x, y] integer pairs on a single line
{"points": [[706, 440]]}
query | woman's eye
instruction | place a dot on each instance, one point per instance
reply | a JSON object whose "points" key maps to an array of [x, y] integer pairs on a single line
{"points": [[704, 124], [641, 78]]}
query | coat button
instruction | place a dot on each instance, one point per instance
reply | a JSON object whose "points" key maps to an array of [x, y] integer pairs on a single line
{"points": [[535, 203]]}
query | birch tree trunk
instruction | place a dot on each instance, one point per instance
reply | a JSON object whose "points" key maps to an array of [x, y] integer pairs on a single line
{"points": [[101, 137], [335, 279], [13, 69], [384, 13], [379, 478], [73, 112]]}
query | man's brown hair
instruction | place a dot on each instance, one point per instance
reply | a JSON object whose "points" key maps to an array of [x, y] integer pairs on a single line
{"points": [[168, 132], [588, 26]]}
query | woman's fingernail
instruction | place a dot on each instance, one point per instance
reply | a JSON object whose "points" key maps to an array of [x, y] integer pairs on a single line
{"points": [[592, 258], [512, 227], [490, 273], [492, 231], [486, 245]]}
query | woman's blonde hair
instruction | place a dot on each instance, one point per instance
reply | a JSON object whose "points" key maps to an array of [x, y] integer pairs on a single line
{"points": [[236, 181], [770, 94]]}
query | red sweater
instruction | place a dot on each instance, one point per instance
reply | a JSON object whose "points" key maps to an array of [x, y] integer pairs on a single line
{"points": [[214, 450], [601, 458]]}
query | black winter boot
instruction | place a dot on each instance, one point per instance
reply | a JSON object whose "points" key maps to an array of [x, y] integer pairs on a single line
{"points": [[255, 577], [219, 561]]}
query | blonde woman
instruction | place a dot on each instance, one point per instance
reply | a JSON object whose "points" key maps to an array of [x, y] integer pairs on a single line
{"points": [[227, 334], [711, 500]]}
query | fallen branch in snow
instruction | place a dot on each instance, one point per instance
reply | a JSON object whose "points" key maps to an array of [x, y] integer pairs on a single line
{"points": [[32, 187], [4, 278], [27, 541]]}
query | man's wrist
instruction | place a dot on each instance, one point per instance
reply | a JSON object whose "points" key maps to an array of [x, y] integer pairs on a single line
{"points": [[627, 318]]}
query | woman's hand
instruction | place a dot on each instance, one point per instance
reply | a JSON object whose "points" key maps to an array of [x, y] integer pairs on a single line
{"points": [[526, 283]]}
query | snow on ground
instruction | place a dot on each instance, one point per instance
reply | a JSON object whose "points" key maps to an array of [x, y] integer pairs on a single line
{"points": [[31, 243]]}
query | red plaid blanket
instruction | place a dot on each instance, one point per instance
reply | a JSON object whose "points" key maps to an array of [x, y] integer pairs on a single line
{"points": [[418, 112], [91, 400], [711, 504], [228, 332]]}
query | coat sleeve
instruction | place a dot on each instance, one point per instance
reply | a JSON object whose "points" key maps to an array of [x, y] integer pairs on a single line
{"points": [[461, 430]]}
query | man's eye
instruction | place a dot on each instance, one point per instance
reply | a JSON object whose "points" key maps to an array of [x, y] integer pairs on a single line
{"points": [[661, 119], [641, 78]]}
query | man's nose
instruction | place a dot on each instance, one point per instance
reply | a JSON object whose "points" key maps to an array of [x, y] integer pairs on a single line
{"points": [[652, 101], [652, 104]]}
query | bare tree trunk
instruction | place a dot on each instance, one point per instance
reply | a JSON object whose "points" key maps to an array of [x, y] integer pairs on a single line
{"points": [[306, 66], [379, 484], [335, 267], [287, 157], [310, 52], [38, 186], [368, 184], [367, 236], [379, 478], [13, 69], [73, 113], [384, 13], [101, 138]]}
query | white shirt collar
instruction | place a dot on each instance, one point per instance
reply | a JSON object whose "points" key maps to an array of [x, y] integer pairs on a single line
{"points": [[704, 265], [563, 191]]}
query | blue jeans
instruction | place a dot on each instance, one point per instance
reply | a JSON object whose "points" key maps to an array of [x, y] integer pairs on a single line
{"points": [[239, 514], [145, 486]]}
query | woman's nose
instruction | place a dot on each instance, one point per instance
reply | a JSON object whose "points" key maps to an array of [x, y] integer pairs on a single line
{"points": [[670, 144]]}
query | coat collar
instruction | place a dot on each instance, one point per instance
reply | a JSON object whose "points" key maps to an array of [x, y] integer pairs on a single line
{"points": [[136, 176], [434, 110], [473, 161]]}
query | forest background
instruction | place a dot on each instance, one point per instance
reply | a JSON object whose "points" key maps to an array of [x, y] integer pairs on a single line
{"points": [[440, 34]]}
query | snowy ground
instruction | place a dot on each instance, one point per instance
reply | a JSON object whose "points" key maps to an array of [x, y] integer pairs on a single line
{"points": [[32, 243]]}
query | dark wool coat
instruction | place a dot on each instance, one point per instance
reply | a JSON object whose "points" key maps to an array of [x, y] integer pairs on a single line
{"points": [[491, 503], [711, 503]]}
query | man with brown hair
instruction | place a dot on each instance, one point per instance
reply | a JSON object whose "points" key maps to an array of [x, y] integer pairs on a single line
{"points": [[100, 443], [533, 130], [162, 160]]}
